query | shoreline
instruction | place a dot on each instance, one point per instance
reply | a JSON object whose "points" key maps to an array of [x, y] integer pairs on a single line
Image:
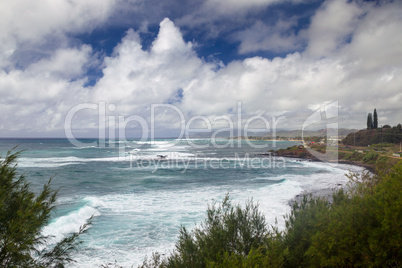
{"points": [[327, 193], [300, 152], [368, 167]]}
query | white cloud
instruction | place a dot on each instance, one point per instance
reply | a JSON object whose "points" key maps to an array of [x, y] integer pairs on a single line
{"points": [[231, 7], [216, 16], [38, 98], [64, 63], [28, 20], [376, 46], [277, 38], [331, 26], [362, 74], [134, 78], [40, 21], [236, 6], [41, 75]]}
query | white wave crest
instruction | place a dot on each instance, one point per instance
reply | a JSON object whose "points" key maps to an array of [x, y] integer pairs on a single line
{"points": [[70, 223]]}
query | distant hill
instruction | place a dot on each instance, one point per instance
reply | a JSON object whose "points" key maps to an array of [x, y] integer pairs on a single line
{"points": [[373, 136], [342, 132], [290, 134]]}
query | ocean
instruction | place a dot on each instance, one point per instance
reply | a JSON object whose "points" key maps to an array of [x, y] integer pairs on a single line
{"points": [[141, 192]]}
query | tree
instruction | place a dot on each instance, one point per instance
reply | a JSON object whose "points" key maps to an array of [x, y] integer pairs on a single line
{"points": [[375, 123], [23, 214], [370, 121]]}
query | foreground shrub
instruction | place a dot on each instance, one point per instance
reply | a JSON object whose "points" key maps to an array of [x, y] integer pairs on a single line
{"points": [[228, 233], [23, 214], [363, 229], [301, 224], [230, 236]]}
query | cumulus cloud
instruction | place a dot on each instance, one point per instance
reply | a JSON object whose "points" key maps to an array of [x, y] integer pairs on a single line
{"points": [[135, 78], [42, 73], [32, 22], [39, 97], [331, 27], [278, 86], [358, 64]]}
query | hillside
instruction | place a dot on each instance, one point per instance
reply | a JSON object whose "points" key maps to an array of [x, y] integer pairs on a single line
{"points": [[374, 136], [286, 134], [342, 132]]}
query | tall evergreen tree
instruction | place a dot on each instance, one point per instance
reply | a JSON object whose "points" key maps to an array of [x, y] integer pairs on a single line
{"points": [[370, 124], [375, 123]]}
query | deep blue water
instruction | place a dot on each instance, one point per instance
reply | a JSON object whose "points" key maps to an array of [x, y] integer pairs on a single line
{"points": [[140, 193]]}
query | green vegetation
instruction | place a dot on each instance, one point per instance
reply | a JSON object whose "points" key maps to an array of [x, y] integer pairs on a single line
{"points": [[361, 227], [228, 234], [381, 145], [315, 139], [370, 157], [308, 135], [350, 156], [370, 124], [372, 120], [374, 136], [22, 217]]}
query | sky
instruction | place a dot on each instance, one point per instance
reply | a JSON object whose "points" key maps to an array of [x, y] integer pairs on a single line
{"points": [[129, 67]]}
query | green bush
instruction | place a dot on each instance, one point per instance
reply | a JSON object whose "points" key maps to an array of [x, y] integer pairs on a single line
{"points": [[302, 154], [22, 217], [363, 229], [342, 155], [227, 233], [355, 156], [382, 145], [381, 161], [301, 225], [370, 157], [230, 236]]}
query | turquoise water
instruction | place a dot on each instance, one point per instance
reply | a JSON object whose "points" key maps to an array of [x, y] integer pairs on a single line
{"points": [[140, 193]]}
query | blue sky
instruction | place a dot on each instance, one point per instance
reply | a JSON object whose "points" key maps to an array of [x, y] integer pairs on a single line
{"points": [[220, 38], [277, 58]]}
